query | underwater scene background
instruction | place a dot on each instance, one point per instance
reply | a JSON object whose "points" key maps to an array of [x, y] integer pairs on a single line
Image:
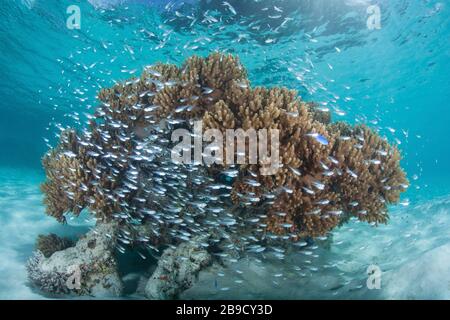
{"points": [[392, 77]]}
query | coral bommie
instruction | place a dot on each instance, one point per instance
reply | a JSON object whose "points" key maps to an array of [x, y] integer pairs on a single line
{"points": [[119, 167]]}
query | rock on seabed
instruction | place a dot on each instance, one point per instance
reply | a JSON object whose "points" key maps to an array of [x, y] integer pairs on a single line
{"points": [[177, 270]]}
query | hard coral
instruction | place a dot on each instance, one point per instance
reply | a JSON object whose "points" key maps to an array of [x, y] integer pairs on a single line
{"points": [[120, 167], [86, 268], [49, 244]]}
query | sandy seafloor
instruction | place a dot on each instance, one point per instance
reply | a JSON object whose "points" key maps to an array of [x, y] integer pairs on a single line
{"points": [[412, 251]]}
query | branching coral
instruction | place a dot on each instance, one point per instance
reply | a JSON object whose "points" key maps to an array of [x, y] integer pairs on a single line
{"points": [[49, 244], [120, 166]]}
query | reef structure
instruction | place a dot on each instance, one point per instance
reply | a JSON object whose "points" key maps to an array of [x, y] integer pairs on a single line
{"points": [[177, 270], [89, 268], [51, 243], [120, 168]]}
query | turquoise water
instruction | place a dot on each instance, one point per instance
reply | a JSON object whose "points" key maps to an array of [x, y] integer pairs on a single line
{"points": [[394, 78]]}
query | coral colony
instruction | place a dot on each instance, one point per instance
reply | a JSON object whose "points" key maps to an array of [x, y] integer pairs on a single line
{"points": [[120, 169]]}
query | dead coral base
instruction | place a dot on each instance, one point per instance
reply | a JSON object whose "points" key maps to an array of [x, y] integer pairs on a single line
{"points": [[88, 268]]}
